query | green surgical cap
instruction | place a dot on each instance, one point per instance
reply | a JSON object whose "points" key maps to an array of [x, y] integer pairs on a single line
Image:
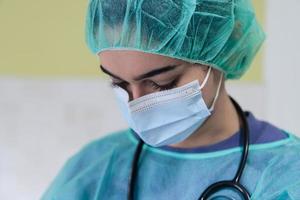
{"points": [[221, 33]]}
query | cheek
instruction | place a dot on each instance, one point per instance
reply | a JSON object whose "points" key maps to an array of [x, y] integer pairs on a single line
{"points": [[192, 74], [209, 89]]}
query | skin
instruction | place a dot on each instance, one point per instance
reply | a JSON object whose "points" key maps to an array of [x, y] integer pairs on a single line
{"points": [[127, 65]]}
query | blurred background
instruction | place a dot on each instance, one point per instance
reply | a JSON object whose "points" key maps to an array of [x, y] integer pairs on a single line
{"points": [[54, 99]]}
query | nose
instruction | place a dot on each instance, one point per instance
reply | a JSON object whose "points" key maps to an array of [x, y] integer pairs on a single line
{"points": [[135, 92]]}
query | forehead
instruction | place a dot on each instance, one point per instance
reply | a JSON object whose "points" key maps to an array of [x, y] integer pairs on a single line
{"points": [[124, 60]]}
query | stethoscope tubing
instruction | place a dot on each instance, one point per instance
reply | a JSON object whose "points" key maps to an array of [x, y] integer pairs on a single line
{"points": [[235, 182]]}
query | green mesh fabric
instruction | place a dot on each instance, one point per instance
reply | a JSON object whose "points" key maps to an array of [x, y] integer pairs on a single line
{"points": [[221, 33]]}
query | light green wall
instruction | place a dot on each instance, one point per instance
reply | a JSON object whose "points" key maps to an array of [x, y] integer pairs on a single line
{"points": [[46, 38]]}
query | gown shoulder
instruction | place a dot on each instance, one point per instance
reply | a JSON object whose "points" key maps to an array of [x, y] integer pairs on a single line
{"points": [[281, 178], [93, 160]]}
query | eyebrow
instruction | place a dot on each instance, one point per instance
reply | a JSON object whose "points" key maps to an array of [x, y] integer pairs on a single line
{"points": [[146, 75]]}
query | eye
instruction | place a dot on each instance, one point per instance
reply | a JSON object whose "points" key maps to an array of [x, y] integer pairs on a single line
{"points": [[119, 84], [168, 86]]}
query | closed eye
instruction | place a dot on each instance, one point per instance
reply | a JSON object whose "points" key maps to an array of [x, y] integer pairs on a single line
{"points": [[152, 84], [167, 86], [119, 84]]}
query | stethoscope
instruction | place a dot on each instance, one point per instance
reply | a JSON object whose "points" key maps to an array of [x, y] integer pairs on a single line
{"points": [[215, 187]]}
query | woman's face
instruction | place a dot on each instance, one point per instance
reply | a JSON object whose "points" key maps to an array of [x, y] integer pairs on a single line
{"points": [[142, 73]]}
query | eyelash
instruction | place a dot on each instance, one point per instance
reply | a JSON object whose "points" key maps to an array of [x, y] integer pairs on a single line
{"points": [[168, 86], [121, 84]]}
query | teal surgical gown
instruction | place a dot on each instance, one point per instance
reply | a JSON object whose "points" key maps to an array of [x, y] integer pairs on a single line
{"points": [[101, 171]]}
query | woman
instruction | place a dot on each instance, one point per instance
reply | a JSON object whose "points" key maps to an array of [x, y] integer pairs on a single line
{"points": [[187, 138]]}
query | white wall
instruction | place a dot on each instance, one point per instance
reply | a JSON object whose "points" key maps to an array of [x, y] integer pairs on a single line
{"points": [[43, 122], [282, 69]]}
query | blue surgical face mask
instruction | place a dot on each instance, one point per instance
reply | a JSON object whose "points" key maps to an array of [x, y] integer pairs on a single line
{"points": [[169, 116]]}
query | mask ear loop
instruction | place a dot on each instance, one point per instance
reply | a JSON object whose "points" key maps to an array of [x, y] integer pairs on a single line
{"points": [[217, 94], [206, 78]]}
